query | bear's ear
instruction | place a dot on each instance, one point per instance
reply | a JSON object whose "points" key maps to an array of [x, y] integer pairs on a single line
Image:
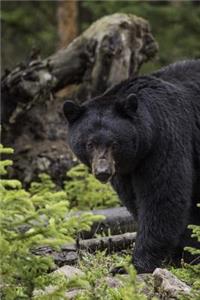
{"points": [[131, 102], [72, 111], [128, 106]]}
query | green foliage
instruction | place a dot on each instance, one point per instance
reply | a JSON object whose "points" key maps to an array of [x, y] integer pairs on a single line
{"points": [[27, 24], [130, 288], [29, 219], [191, 273], [98, 267], [85, 192]]}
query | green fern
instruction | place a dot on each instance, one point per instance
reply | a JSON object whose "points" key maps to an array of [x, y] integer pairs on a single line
{"points": [[29, 219]]}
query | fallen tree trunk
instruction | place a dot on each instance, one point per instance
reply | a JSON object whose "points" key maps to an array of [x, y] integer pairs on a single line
{"points": [[69, 254], [114, 43], [117, 220], [112, 243], [109, 51]]}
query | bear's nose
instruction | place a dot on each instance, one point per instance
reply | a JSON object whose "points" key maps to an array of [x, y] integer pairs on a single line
{"points": [[103, 176], [102, 170]]}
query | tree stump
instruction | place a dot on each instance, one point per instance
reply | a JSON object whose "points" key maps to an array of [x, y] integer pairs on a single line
{"points": [[109, 51]]}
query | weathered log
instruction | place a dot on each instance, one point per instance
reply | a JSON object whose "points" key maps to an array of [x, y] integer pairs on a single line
{"points": [[117, 220], [67, 17], [110, 50], [69, 254], [112, 243], [113, 48]]}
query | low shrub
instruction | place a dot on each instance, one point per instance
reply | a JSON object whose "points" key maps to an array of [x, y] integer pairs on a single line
{"points": [[29, 219]]}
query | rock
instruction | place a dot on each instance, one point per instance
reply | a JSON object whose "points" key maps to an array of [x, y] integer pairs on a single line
{"points": [[113, 282], [73, 293], [69, 271], [168, 285], [63, 257], [145, 284]]}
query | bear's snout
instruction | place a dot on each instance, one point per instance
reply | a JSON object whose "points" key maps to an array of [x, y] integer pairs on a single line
{"points": [[103, 170]]}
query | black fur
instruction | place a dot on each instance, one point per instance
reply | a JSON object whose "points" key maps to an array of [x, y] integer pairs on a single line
{"points": [[157, 154]]}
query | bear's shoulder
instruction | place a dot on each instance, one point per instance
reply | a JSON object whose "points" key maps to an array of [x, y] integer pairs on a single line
{"points": [[181, 73]]}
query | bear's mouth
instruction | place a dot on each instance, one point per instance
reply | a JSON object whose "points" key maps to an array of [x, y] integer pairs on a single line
{"points": [[103, 164], [103, 169], [103, 177]]}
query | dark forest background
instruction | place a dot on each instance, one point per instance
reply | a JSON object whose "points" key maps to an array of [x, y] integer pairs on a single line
{"points": [[39, 24]]}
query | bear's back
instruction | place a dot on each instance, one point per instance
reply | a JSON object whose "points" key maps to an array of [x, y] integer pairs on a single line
{"points": [[187, 75], [184, 73]]}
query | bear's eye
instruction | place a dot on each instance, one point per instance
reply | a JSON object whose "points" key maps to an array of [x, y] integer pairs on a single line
{"points": [[114, 146], [90, 146]]}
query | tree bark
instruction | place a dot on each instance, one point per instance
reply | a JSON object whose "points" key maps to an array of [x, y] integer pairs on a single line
{"points": [[117, 220], [69, 254], [67, 16], [109, 51]]}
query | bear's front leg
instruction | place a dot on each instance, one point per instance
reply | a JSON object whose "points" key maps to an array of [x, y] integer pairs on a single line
{"points": [[160, 225]]}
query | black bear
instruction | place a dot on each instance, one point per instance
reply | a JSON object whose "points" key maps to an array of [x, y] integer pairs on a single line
{"points": [[144, 136]]}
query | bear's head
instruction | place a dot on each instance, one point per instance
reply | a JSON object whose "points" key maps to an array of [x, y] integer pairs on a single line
{"points": [[103, 135]]}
